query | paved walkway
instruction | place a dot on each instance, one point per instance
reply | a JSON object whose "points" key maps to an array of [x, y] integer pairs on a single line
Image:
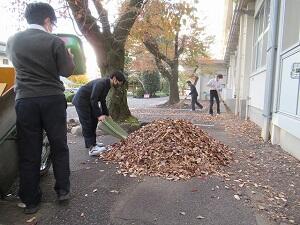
{"points": [[100, 196]]}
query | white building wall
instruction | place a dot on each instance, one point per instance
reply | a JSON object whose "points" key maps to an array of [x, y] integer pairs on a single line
{"points": [[257, 90], [243, 63], [285, 126], [285, 123], [228, 92], [258, 74]]}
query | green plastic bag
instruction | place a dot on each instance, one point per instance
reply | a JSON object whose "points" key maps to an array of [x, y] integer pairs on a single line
{"points": [[111, 127], [74, 43]]}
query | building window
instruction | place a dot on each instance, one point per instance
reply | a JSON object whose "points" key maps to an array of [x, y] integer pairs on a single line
{"points": [[291, 27], [5, 61], [261, 30]]}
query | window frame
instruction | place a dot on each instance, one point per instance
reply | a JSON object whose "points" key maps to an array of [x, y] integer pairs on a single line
{"points": [[261, 30], [5, 61]]}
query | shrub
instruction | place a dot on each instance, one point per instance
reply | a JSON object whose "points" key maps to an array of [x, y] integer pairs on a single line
{"points": [[79, 79], [139, 93], [151, 82], [69, 96], [165, 87]]}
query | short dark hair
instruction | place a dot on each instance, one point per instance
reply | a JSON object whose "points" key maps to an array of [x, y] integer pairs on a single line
{"points": [[189, 82], [119, 76], [220, 76], [36, 13]]}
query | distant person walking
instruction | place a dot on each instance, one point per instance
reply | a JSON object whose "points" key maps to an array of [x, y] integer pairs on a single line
{"points": [[194, 95], [215, 87], [39, 58]]}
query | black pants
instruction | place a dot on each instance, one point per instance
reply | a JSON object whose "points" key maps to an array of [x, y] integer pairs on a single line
{"points": [[214, 94], [89, 124], [34, 115], [195, 102]]}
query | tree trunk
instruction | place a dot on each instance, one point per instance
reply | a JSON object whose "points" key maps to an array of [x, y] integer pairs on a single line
{"points": [[108, 62], [109, 46], [117, 103], [174, 91]]}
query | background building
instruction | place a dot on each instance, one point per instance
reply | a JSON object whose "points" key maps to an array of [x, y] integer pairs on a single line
{"points": [[3, 59]]}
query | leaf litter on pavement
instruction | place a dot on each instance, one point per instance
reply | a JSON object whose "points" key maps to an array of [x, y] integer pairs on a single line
{"points": [[269, 176], [172, 149]]}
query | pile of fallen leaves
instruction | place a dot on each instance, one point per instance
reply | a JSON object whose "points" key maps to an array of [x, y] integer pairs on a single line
{"points": [[173, 149]]}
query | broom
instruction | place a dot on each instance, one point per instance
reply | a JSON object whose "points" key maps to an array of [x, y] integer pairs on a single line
{"points": [[227, 109], [181, 103]]}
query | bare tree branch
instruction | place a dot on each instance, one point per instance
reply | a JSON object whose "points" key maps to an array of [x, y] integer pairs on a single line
{"points": [[126, 21], [83, 17], [181, 49], [153, 48], [103, 16], [164, 72]]}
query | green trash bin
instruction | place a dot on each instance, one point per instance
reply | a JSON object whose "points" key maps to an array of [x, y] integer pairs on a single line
{"points": [[74, 43]]}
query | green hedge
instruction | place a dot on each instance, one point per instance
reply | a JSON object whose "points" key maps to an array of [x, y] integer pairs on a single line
{"points": [[139, 93]]}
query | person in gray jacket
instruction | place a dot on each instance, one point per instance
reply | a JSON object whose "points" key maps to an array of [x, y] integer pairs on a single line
{"points": [[39, 58]]}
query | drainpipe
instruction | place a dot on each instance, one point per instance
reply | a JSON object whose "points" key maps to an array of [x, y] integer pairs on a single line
{"points": [[271, 57]]}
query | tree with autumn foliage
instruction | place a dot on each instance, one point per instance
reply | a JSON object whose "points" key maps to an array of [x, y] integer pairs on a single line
{"points": [[171, 32], [107, 39], [108, 42]]}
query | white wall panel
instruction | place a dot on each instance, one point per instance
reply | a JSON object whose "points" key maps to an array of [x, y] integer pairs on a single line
{"points": [[257, 90], [289, 95]]}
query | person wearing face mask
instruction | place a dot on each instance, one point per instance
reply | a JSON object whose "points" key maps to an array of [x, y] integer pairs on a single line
{"points": [[86, 102], [39, 59]]}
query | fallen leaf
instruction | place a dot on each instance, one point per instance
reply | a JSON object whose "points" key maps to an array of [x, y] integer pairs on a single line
{"points": [[200, 217], [237, 197], [133, 175], [31, 220], [21, 205]]}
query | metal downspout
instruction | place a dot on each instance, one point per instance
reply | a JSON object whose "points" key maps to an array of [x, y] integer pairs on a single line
{"points": [[271, 57]]}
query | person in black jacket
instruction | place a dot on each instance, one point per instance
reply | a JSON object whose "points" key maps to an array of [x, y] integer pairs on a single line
{"points": [[86, 102], [39, 59], [194, 95]]}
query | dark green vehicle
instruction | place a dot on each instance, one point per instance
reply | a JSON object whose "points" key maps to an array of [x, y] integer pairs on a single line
{"points": [[8, 145]]}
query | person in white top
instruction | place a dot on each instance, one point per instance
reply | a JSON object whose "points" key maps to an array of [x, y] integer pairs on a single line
{"points": [[215, 86]]}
